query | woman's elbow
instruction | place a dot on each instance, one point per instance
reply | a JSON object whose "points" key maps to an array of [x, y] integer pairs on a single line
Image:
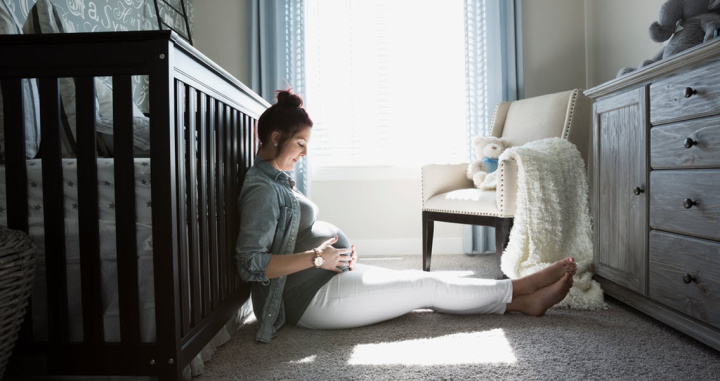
{"points": [[250, 271], [252, 276]]}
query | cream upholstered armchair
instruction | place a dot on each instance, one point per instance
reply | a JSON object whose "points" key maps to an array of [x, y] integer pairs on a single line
{"points": [[448, 196]]}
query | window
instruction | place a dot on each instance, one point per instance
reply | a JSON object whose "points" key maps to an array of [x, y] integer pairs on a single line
{"points": [[386, 82]]}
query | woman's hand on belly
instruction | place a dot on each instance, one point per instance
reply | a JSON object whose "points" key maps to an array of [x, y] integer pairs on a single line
{"points": [[336, 259], [353, 258]]}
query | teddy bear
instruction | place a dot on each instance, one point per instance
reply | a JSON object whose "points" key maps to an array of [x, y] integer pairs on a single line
{"points": [[683, 24], [481, 171]]}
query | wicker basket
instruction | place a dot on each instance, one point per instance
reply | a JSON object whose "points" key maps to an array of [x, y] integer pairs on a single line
{"points": [[17, 269]]}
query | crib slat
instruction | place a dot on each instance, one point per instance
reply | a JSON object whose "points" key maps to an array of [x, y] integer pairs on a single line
{"points": [[203, 197], [182, 216], [125, 212], [16, 172], [212, 199], [193, 215], [87, 188], [226, 199], [222, 227], [232, 201], [15, 167], [53, 202], [255, 143], [229, 192], [249, 142]]}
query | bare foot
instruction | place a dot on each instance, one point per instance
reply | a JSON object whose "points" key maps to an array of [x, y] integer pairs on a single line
{"points": [[545, 277], [537, 303]]}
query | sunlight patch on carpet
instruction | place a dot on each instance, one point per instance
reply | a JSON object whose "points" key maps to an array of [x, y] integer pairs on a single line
{"points": [[461, 348], [250, 319], [305, 360]]}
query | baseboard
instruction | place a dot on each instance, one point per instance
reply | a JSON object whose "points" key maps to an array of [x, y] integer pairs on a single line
{"points": [[408, 246]]}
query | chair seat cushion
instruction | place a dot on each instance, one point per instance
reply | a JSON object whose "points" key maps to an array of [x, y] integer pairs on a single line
{"points": [[465, 201]]}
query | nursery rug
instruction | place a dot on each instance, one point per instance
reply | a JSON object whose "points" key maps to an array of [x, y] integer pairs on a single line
{"points": [[552, 219]]}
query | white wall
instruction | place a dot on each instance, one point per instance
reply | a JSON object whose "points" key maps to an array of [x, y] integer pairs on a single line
{"points": [[617, 36], [382, 215], [221, 32], [567, 44], [575, 43], [553, 33]]}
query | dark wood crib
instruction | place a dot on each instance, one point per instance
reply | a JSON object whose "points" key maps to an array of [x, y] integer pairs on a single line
{"points": [[202, 141]]}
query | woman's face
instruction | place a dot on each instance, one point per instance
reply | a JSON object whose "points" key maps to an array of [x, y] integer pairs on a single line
{"points": [[294, 149]]}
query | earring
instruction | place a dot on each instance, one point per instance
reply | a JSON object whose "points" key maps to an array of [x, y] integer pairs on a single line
{"points": [[275, 144]]}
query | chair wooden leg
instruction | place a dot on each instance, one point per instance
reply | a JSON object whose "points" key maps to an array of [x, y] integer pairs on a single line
{"points": [[427, 238], [502, 237]]}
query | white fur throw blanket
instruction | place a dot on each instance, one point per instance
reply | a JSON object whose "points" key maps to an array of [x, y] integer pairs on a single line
{"points": [[552, 219]]}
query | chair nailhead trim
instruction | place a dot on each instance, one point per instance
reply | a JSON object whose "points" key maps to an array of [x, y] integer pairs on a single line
{"points": [[573, 100], [456, 212]]}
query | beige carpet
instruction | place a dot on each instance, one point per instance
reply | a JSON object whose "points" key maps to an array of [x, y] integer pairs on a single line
{"points": [[614, 344]]}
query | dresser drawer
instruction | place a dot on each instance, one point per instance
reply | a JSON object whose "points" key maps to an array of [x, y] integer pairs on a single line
{"points": [[672, 194], [690, 144], [685, 275], [668, 101]]}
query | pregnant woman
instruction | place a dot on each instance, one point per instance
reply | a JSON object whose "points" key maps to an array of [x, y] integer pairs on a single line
{"points": [[304, 271]]}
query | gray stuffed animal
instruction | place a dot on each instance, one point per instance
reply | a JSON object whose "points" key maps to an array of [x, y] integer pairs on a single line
{"points": [[685, 23]]}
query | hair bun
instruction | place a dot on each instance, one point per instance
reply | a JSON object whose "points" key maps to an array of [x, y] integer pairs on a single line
{"points": [[286, 98]]}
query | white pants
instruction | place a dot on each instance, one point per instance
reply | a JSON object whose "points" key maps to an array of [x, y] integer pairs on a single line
{"points": [[371, 294]]}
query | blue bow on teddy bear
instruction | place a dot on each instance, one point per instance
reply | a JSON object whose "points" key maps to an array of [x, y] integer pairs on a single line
{"points": [[491, 164]]}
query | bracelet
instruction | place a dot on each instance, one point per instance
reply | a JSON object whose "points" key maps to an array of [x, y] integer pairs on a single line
{"points": [[317, 259]]}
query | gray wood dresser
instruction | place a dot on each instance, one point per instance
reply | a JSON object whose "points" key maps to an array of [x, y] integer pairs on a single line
{"points": [[656, 190]]}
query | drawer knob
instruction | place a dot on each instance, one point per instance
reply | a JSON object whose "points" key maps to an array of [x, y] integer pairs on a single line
{"points": [[687, 279], [688, 203], [638, 190], [689, 143], [689, 91]]}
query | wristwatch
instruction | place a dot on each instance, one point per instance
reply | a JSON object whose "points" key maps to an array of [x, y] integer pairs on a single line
{"points": [[318, 259]]}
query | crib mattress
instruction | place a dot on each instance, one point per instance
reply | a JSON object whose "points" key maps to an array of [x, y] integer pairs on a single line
{"points": [[108, 252]]}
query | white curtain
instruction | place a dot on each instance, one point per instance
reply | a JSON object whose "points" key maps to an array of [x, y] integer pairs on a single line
{"points": [[277, 59], [493, 74]]}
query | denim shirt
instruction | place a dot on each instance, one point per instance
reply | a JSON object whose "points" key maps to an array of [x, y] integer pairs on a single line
{"points": [[269, 220]]}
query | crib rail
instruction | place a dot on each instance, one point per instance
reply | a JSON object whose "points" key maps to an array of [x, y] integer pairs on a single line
{"points": [[202, 141]]}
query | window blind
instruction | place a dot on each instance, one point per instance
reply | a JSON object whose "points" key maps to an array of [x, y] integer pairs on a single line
{"points": [[394, 83]]}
